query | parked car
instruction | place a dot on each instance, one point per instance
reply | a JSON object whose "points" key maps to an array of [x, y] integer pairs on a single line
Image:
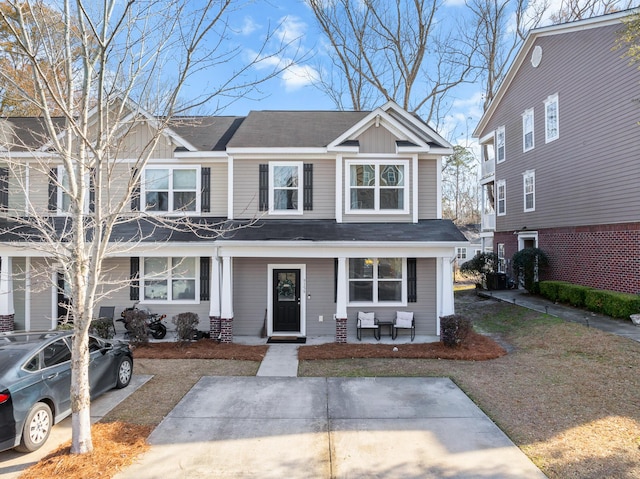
{"points": [[35, 382]]}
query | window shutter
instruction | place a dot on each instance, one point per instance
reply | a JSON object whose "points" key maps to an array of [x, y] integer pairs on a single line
{"points": [[335, 280], [205, 199], [135, 194], [412, 281], [134, 286], [92, 190], [4, 189], [53, 189], [205, 286], [263, 193], [308, 187]]}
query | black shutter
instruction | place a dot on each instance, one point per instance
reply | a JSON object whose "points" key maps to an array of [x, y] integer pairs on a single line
{"points": [[263, 191], [335, 280], [92, 190], [53, 189], [4, 189], [135, 194], [205, 269], [308, 187], [412, 281], [134, 286], [205, 199]]}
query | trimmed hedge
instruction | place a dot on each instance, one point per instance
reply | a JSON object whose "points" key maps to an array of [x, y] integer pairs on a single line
{"points": [[454, 329], [609, 303]]}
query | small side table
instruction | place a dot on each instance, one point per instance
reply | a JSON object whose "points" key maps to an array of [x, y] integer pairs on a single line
{"points": [[388, 324]]}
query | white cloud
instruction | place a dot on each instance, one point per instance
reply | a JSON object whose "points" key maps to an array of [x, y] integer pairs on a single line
{"points": [[454, 3], [249, 26], [293, 75], [290, 29]]}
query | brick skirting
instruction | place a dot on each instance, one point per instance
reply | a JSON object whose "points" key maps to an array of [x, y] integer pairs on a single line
{"points": [[6, 323], [341, 330], [599, 256], [226, 330], [214, 326]]}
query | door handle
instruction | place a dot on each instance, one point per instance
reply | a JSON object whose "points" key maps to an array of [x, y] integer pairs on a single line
{"points": [[51, 376]]}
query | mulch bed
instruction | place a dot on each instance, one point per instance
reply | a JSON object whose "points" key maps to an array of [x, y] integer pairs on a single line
{"points": [[202, 349]]}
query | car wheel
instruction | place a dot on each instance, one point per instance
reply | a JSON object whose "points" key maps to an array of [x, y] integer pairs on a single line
{"points": [[36, 428], [125, 369]]}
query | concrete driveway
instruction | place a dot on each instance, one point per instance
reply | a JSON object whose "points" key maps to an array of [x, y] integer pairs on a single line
{"points": [[277, 427]]}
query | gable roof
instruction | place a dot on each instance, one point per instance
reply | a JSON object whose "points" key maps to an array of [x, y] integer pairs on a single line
{"points": [[523, 54]]}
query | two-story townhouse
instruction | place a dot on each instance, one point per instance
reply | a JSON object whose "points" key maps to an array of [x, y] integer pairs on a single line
{"points": [[560, 156], [324, 214]]}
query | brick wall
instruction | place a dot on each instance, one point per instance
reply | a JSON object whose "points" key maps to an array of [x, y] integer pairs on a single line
{"points": [[600, 256], [226, 330], [6, 323], [214, 326], [341, 330]]}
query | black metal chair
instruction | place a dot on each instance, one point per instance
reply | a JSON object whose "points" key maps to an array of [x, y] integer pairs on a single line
{"points": [[404, 320], [367, 321]]}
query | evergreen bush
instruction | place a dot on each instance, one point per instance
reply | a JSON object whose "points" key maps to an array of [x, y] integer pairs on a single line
{"points": [[454, 329]]}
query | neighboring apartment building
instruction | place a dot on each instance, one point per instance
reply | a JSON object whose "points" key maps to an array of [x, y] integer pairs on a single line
{"points": [[348, 213], [561, 156]]}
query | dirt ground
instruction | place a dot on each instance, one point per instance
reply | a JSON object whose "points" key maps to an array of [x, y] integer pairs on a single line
{"points": [[566, 394]]}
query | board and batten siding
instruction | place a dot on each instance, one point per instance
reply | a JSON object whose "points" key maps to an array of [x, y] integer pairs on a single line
{"points": [[377, 140], [589, 175]]}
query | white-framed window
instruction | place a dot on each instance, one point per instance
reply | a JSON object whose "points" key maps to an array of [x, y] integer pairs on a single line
{"points": [[377, 186], [171, 189], [377, 281], [501, 261], [285, 187], [501, 197], [500, 145], [527, 130], [461, 253], [63, 200], [551, 119], [169, 279], [529, 185]]}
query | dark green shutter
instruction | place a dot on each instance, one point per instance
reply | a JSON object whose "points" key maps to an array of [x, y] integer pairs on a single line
{"points": [[308, 187], [92, 190], [53, 189], [205, 199], [134, 286], [412, 280], [4, 189], [205, 286], [335, 280], [263, 188], [135, 194]]}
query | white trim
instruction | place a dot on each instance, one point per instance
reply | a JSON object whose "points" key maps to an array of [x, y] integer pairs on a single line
{"points": [[375, 302], [528, 174], [230, 191], [170, 189], [169, 278], [264, 152], [551, 99], [503, 183], [496, 152], [303, 297], [54, 297], [272, 188], [528, 113], [439, 189], [339, 172], [526, 235], [377, 188], [414, 188], [27, 294]]}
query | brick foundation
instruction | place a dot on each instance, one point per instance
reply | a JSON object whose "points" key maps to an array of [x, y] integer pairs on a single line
{"points": [[226, 330], [6, 323], [214, 326], [599, 256], [341, 330]]}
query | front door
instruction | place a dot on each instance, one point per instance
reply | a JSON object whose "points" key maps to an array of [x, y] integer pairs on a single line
{"points": [[286, 300]]}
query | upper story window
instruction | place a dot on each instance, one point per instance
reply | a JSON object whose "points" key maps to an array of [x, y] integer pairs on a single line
{"points": [[377, 280], [529, 183], [461, 253], [286, 183], [501, 200], [500, 148], [527, 130], [169, 279], [377, 186], [59, 185], [551, 122], [171, 189]]}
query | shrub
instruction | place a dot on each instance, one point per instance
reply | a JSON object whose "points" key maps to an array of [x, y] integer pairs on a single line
{"points": [[135, 320], [454, 329], [612, 303], [527, 264], [550, 289], [102, 327], [186, 325], [480, 265], [574, 294]]}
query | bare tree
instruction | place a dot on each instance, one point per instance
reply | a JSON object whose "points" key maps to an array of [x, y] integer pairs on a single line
{"points": [[572, 10], [119, 69], [390, 51], [460, 187]]}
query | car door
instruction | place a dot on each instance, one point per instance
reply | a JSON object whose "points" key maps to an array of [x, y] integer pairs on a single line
{"points": [[56, 375], [101, 369]]}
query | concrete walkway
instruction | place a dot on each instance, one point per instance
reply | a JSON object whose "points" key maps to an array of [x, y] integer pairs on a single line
{"points": [[265, 427], [520, 297]]}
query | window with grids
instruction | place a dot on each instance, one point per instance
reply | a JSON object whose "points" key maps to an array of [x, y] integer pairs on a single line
{"points": [[500, 147], [551, 122], [462, 254], [376, 280], [169, 279], [171, 189], [501, 187], [529, 182], [377, 186], [286, 187], [501, 260], [527, 130]]}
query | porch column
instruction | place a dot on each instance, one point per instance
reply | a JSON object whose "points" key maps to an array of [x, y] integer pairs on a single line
{"points": [[214, 298], [226, 298], [341, 302], [446, 289], [7, 312]]}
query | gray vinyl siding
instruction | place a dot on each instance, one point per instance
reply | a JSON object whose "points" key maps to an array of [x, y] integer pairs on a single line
{"points": [[427, 189], [589, 175], [41, 300], [377, 140], [18, 277], [246, 188], [219, 189]]}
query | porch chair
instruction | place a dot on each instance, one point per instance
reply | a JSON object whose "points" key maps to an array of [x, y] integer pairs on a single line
{"points": [[106, 314], [404, 320], [367, 321]]}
